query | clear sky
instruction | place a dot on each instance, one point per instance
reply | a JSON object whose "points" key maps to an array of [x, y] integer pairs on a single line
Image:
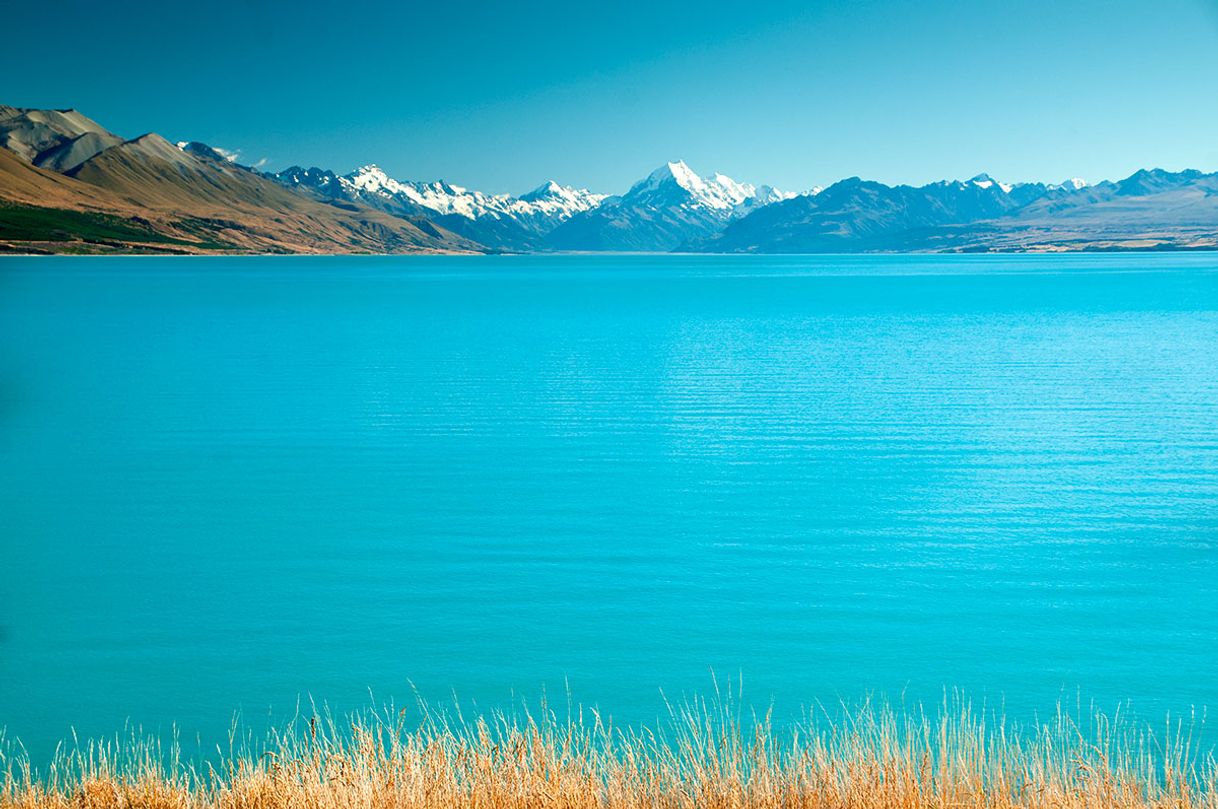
{"points": [[503, 96]]}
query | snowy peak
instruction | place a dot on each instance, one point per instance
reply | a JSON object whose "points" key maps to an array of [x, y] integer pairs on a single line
{"points": [[546, 190], [717, 192], [669, 175], [372, 179], [682, 175], [767, 194], [984, 180], [678, 172], [734, 192], [550, 196], [671, 206]]}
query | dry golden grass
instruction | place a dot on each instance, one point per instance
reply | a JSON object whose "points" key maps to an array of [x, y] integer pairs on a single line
{"points": [[708, 756]]}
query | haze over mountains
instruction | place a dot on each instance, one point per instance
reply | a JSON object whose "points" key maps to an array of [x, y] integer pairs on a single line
{"points": [[69, 185]]}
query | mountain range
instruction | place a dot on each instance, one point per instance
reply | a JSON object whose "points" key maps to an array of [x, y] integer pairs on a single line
{"points": [[69, 185], [667, 208], [499, 221], [1151, 209]]}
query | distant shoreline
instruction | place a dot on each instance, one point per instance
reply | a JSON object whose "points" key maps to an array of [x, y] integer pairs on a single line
{"points": [[16, 253]]}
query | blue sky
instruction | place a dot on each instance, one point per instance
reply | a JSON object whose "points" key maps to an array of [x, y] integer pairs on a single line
{"points": [[503, 96]]}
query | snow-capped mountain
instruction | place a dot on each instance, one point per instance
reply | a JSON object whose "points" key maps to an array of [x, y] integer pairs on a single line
{"points": [[553, 199], [766, 194], [860, 214], [675, 208], [1073, 184], [855, 215], [666, 208], [549, 203], [60, 158], [498, 221], [677, 182]]}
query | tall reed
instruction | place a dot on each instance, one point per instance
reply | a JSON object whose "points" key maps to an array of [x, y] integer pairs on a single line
{"points": [[708, 754]]}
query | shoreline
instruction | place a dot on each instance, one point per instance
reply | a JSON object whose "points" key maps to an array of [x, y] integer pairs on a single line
{"points": [[1035, 251]]}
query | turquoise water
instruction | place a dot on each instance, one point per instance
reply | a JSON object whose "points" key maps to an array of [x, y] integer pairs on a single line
{"points": [[226, 484]]}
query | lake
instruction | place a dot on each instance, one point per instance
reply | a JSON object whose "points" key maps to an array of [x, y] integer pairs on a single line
{"points": [[229, 484]]}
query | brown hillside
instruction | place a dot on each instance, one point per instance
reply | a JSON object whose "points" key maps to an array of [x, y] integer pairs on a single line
{"points": [[197, 202]]}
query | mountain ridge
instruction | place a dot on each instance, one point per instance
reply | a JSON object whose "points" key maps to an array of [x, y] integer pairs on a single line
{"points": [[668, 207], [1150, 209], [146, 193], [499, 221], [68, 184]]}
